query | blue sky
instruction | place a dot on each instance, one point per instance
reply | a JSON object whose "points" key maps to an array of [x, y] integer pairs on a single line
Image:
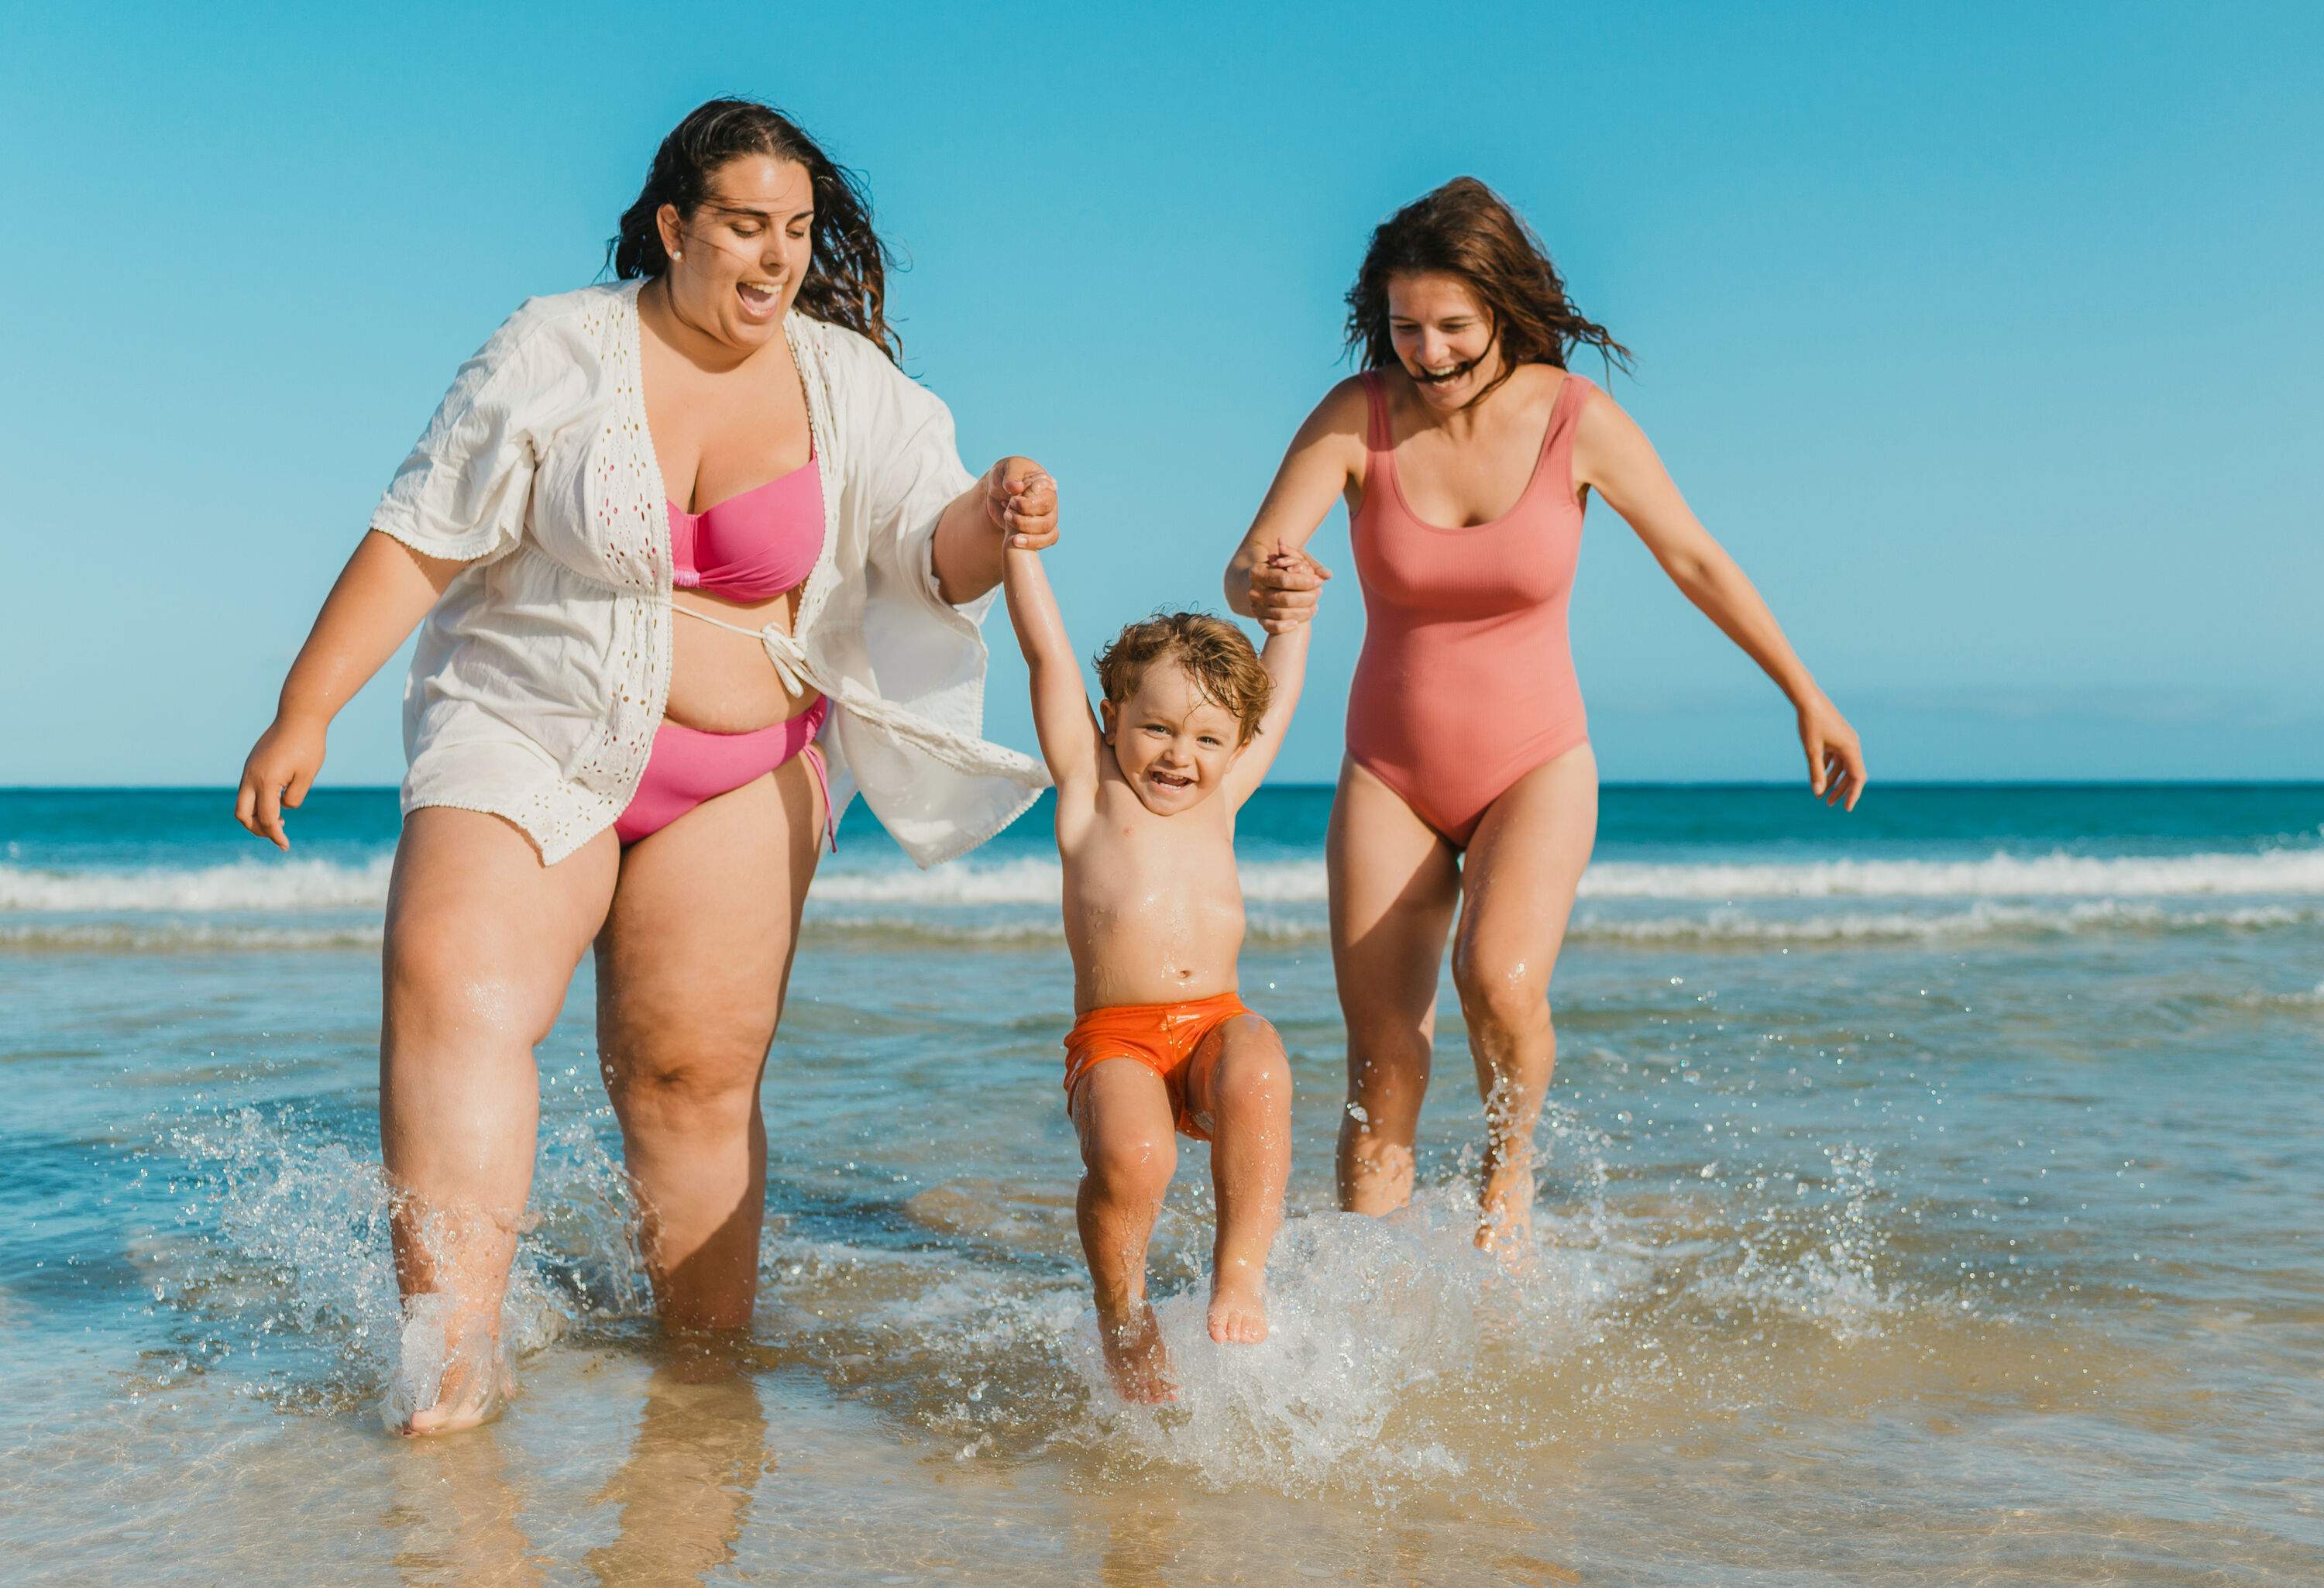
{"points": [[1987, 337]]}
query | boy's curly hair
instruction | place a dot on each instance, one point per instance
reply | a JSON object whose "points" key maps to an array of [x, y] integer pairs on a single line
{"points": [[1213, 652]]}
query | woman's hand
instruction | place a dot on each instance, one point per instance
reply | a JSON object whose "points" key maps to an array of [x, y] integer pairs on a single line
{"points": [[381, 594], [1285, 587], [1021, 501], [1835, 758], [282, 767]]}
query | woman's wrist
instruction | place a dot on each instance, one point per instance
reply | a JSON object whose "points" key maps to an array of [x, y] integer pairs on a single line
{"points": [[964, 552]]}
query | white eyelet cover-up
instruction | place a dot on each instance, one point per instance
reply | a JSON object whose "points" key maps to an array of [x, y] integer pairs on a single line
{"points": [[540, 677]]}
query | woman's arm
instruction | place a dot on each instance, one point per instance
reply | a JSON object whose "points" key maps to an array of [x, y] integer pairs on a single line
{"points": [[1061, 707], [1613, 456], [380, 595], [1271, 578], [1018, 499]]}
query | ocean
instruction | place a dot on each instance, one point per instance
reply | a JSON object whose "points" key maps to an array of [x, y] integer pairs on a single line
{"points": [[1929, 1194]]}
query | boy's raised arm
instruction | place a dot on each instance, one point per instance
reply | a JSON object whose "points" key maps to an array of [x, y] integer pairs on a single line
{"points": [[1285, 656], [1061, 707]]}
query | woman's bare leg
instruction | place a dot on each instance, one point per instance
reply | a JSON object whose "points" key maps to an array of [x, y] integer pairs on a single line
{"points": [[1248, 1096], [482, 939], [1522, 867], [1393, 884], [691, 971]]}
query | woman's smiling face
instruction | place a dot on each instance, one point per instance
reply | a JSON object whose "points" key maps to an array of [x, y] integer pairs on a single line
{"points": [[1443, 338], [737, 262]]}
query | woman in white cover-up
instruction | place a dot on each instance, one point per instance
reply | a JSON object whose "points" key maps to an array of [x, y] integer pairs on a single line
{"points": [[555, 521]]}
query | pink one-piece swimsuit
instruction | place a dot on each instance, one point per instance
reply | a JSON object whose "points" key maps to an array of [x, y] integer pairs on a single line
{"points": [[748, 547], [1465, 682]]}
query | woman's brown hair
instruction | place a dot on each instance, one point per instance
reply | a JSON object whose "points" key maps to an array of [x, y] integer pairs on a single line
{"points": [[1465, 229], [846, 284]]}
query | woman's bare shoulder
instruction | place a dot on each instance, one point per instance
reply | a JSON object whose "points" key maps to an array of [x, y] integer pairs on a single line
{"points": [[1341, 419]]}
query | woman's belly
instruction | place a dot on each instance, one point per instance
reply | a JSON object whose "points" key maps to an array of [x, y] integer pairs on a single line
{"points": [[723, 682], [1462, 692]]}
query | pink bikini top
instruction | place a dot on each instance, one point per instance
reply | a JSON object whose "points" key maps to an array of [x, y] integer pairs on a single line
{"points": [[752, 546]]}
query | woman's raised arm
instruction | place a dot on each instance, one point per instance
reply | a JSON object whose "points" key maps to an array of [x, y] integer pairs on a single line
{"points": [[1613, 456], [1281, 590], [380, 597]]}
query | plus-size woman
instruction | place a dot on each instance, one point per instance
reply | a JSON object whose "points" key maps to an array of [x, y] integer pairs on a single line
{"points": [[1465, 453], [696, 561]]}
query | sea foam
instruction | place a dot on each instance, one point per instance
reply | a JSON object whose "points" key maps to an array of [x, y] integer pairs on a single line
{"points": [[316, 885]]}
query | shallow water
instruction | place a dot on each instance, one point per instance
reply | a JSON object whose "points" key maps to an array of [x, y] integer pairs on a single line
{"points": [[1928, 1198]]}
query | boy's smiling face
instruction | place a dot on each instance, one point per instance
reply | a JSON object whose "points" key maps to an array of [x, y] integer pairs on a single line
{"points": [[1173, 742]]}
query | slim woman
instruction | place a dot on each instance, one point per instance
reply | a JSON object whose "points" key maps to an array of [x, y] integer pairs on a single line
{"points": [[697, 562], [1468, 798]]}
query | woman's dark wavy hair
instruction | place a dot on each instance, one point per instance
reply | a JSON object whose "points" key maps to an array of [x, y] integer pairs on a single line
{"points": [[846, 282], [1465, 229]]}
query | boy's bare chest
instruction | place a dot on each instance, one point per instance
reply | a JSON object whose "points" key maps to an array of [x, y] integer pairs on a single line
{"points": [[1136, 857]]}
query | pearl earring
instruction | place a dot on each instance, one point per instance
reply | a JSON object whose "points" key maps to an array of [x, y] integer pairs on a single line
{"points": [[677, 254]]}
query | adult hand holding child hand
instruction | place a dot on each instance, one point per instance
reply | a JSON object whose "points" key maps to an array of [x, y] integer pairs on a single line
{"points": [[1285, 586], [1021, 501]]}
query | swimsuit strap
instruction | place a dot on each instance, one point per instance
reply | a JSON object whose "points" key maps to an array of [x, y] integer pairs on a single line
{"points": [[1378, 435], [813, 756], [1564, 420]]}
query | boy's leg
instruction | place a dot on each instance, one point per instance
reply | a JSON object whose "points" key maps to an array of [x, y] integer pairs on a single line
{"points": [[1130, 1150], [1243, 1083]]}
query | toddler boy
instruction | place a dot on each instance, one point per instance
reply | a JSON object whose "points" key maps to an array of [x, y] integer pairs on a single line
{"points": [[1146, 797]]}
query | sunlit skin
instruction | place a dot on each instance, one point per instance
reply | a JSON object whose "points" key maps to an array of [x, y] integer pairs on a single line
{"points": [[693, 927], [1465, 449], [1146, 797], [715, 358]]}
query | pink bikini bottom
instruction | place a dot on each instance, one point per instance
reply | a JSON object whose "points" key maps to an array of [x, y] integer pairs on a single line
{"points": [[687, 766]]}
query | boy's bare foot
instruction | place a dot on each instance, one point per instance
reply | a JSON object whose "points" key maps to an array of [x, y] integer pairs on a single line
{"points": [[1134, 1358], [1239, 1305], [1505, 1213]]}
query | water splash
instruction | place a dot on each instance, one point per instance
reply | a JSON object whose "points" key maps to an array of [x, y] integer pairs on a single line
{"points": [[1816, 1261], [284, 1240], [1396, 1355]]}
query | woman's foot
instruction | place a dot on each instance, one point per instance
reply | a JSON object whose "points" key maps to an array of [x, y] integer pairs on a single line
{"points": [[1134, 1358], [472, 1393], [1239, 1304], [1505, 1213], [443, 1385]]}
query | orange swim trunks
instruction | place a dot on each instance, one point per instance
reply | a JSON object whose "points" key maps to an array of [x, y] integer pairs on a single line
{"points": [[1162, 1037]]}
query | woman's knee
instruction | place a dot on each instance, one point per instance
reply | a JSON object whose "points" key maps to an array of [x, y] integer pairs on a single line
{"points": [[693, 1080], [450, 987], [1501, 994]]}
